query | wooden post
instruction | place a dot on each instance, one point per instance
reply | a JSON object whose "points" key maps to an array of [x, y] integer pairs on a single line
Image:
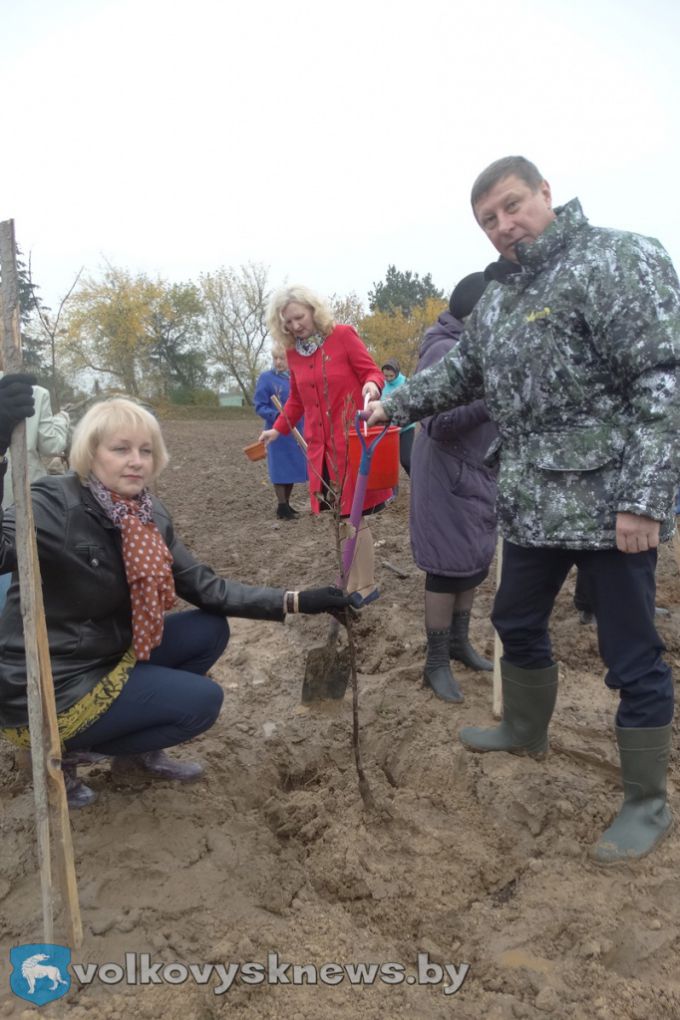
{"points": [[51, 806], [497, 703]]}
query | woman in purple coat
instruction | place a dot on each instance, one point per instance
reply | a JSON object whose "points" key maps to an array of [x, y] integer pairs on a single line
{"points": [[453, 518], [285, 459]]}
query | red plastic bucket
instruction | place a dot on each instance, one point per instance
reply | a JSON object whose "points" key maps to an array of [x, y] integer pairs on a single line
{"points": [[384, 470]]}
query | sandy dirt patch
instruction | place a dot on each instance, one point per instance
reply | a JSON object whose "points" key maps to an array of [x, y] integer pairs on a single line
{"points": [[470, 859]]}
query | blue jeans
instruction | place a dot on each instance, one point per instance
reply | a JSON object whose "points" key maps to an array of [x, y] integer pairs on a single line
{"points": [[168, 699], [621, 589]]}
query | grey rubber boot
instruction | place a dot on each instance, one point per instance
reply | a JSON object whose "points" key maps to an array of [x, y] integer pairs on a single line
{"points": [[78, 794], [158, 763], [460, 647], [437, 674], [529, 697], [644, 818]]}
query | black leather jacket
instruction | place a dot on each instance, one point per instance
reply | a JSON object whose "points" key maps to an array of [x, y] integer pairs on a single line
{"points": [[87, 601]]}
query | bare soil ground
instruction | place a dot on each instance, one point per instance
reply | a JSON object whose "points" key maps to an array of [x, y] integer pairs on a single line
{"points": [[470, 859]]}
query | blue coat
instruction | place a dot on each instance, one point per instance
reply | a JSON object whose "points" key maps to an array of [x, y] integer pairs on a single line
{"points": [[285, 459], [453, 494]]}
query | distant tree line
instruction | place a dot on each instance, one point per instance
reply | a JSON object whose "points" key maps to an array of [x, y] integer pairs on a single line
{"points": [[183, 342]]}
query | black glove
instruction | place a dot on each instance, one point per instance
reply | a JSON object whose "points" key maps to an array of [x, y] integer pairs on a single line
{"points": [[322, 600], [16, 403]]}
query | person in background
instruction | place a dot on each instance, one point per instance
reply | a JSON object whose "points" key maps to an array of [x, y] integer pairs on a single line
{"points": [[47, 435], [331, 373], [582, 602], [575, 348], [453, 516], [129, 676], [285, 460], [394, 378]]}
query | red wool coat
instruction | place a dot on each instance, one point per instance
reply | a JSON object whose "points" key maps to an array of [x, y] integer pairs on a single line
{"points": [[326, 389]]}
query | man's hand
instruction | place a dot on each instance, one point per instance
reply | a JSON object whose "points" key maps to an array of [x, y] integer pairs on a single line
{"points": [[376, 413], [635, 533], [269, 436], [16, 403]]}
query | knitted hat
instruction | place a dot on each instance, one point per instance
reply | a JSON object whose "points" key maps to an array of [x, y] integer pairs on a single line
{"points": [[393, 364], [466, 295]]}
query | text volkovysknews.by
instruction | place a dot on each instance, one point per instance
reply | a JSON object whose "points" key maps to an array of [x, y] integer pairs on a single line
{"points": [[140, 969]]}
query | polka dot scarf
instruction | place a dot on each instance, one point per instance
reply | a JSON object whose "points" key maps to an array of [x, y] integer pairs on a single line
{"points": [[148, 564]]}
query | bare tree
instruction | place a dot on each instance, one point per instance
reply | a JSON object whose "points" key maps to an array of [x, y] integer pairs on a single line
{"points": [[348, 309], [49, 325], [236, 328]]}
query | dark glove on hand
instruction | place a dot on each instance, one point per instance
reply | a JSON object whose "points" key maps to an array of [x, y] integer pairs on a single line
{"points": [[16, 403], [322, 600]]}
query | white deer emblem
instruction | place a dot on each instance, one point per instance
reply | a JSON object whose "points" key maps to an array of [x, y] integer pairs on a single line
{"points": [[33, 969]]}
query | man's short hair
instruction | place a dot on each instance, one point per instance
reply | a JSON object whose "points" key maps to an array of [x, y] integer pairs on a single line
{"points": [[505, 167]]}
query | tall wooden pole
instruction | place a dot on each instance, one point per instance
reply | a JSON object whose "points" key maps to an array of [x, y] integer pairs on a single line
{"points": [[51, 806]]}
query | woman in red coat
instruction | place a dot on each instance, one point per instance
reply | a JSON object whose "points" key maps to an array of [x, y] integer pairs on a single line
{"points": [[331, 372]]}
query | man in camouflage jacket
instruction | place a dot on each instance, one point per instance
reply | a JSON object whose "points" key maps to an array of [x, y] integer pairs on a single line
{"points": [[575, 349]]}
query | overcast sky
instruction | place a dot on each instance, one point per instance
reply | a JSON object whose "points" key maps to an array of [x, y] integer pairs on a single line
{"points": [[325, 140]]}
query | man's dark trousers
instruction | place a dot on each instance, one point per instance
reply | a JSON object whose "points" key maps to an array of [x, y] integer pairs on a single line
{"points": [[622, 588]]}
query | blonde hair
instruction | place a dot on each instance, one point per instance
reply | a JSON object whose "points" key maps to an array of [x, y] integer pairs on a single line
{"points": [[105, 417], [321, 313]]}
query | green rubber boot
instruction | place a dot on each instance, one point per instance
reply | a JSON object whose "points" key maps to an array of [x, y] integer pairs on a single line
{"points": [[529, 697], [644, 818]]}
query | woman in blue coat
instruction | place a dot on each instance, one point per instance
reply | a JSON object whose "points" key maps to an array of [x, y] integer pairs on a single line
{"points": [[394, 378], [285, 459], [453, 517]]}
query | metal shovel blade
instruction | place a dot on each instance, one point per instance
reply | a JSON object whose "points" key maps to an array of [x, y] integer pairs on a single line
{"points": [[327, 669]]}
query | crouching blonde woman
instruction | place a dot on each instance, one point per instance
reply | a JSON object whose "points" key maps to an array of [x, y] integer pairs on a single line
{"points": [[129, 676]]}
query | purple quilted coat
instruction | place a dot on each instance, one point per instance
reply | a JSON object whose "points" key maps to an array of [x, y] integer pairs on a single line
{"points": [[453, 495]]}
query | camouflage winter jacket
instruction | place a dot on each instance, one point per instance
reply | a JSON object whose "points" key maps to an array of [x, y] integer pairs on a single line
{"points": [[578, 359]]}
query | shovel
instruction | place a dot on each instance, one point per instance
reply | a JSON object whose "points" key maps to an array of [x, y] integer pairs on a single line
{"points": [[327, 670]]}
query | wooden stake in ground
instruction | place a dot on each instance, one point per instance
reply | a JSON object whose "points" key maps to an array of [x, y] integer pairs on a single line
{"points": [[48, 782], [497, 703]]}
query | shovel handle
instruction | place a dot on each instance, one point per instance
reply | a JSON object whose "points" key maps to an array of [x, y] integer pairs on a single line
{"points": [[297, 435], [367, 451]]}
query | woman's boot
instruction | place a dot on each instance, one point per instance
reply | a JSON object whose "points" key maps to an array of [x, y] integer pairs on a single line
{"points": [[78, 794], [644, 818], [459, 645], [159, 764], [437, 674], [529, 697]]}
